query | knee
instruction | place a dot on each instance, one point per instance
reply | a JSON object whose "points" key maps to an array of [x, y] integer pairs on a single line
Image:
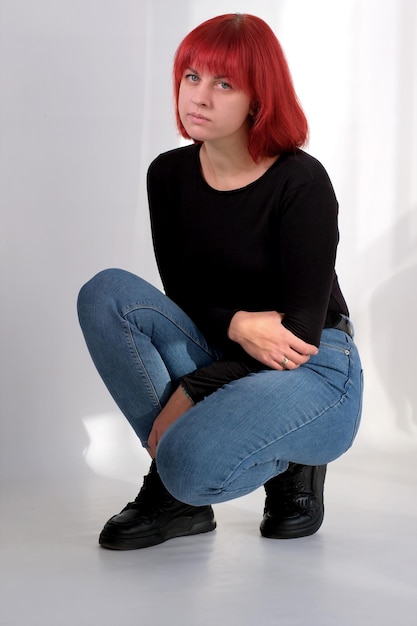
{"points": [[184, 489], [96, 295], [97, 287], [185, 478]]}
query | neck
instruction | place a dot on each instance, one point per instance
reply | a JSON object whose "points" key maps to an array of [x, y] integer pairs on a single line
{"points": [[228, 160], [225, 171], [230, 169]]}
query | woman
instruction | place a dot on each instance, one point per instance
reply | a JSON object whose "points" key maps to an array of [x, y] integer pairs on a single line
{"points": [[244, 373]]}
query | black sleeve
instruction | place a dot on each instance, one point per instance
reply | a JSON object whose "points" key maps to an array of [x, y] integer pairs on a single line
{"points": [[203, 382], [308, 241], [163, 212]]}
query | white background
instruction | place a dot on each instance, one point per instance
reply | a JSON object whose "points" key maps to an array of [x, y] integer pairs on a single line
{"points": [[85, 105]]}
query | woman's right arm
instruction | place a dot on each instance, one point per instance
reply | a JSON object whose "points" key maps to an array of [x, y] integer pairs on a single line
{"points": [[262, 336]]}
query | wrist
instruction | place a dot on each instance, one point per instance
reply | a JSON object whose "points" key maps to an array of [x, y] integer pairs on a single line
{"points": [[234, 327], [186, 394]]}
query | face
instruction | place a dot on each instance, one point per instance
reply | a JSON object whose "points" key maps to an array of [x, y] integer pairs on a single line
{"points": [[211, 108]]}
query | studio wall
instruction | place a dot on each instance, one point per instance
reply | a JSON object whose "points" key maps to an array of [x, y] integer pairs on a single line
{"points": [[86, 104]]}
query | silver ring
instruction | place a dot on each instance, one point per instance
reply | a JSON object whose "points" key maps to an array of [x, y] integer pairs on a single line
{"points": [[284, 361]]}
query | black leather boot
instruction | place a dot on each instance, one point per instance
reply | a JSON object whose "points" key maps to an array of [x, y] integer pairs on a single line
{"points": [[154, 517], [294, 502]]}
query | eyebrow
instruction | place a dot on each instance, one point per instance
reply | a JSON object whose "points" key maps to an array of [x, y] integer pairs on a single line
{"points": [[192, 69]]}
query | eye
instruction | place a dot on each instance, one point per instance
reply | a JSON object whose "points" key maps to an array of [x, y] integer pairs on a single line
{"points": [[192, 78], [224, 86]]}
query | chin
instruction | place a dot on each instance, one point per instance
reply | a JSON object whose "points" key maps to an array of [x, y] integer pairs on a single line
{"points": [[197, 137]]}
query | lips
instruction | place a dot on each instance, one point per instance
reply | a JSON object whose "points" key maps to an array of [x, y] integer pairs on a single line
{"points": [[196, 117]]}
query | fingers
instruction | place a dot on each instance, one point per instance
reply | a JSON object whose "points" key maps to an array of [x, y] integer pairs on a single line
{"points": [[290, 362], [286, 364], [301, 347], [298, 353], [279, 363], [153, 442], [151, 448]]}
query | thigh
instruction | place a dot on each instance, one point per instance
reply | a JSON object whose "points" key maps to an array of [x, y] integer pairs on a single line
{"points": [[141, 342], [248, 431], [120, 310]]}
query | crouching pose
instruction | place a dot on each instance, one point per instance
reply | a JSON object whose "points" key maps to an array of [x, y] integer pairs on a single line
{"points": [[244, 371]]}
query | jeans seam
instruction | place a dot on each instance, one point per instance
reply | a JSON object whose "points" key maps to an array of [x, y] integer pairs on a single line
{"points": [[312, 420], [331, 346], [172, 320], [141, 366], [359, 412]]}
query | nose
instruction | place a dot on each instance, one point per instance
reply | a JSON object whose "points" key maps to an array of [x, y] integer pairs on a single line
{"points": [[200, 96]]}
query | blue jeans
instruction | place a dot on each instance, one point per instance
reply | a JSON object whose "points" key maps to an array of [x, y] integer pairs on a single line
{"points": [[241, 435]]}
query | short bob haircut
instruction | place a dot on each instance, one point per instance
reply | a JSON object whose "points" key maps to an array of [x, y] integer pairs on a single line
{"points": [[244, 49]]}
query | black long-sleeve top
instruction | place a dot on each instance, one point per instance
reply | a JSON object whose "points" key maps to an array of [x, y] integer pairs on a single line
{"points": [[270, 245]]}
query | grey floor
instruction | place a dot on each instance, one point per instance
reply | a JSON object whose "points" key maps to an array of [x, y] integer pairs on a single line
{"points": [[361, 568]]}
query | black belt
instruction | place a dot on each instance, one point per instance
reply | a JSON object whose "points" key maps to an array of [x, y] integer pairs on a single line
{"points": [[339, 322]]}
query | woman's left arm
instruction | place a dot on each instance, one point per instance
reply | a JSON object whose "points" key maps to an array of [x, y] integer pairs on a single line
{"points": [[308, 241]]}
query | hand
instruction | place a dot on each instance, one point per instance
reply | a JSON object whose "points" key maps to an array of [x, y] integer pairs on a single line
{"points": [[176, 406], [262, 335]]}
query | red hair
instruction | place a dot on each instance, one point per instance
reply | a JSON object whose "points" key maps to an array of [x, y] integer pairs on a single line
{"points": [[245, 49]]}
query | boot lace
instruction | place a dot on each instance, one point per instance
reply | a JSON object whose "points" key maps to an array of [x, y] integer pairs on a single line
{"points": [[289, 494], [152, 495]]}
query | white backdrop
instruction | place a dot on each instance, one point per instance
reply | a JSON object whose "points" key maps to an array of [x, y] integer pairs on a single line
{"points": [[85, 105]]}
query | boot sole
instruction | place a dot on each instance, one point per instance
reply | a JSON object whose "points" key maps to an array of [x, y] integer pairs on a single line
{"points": [[287, 533], [179, 528]]}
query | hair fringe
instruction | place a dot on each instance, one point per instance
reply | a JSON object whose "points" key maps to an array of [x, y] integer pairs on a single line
{"points": [[245, 49]]}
